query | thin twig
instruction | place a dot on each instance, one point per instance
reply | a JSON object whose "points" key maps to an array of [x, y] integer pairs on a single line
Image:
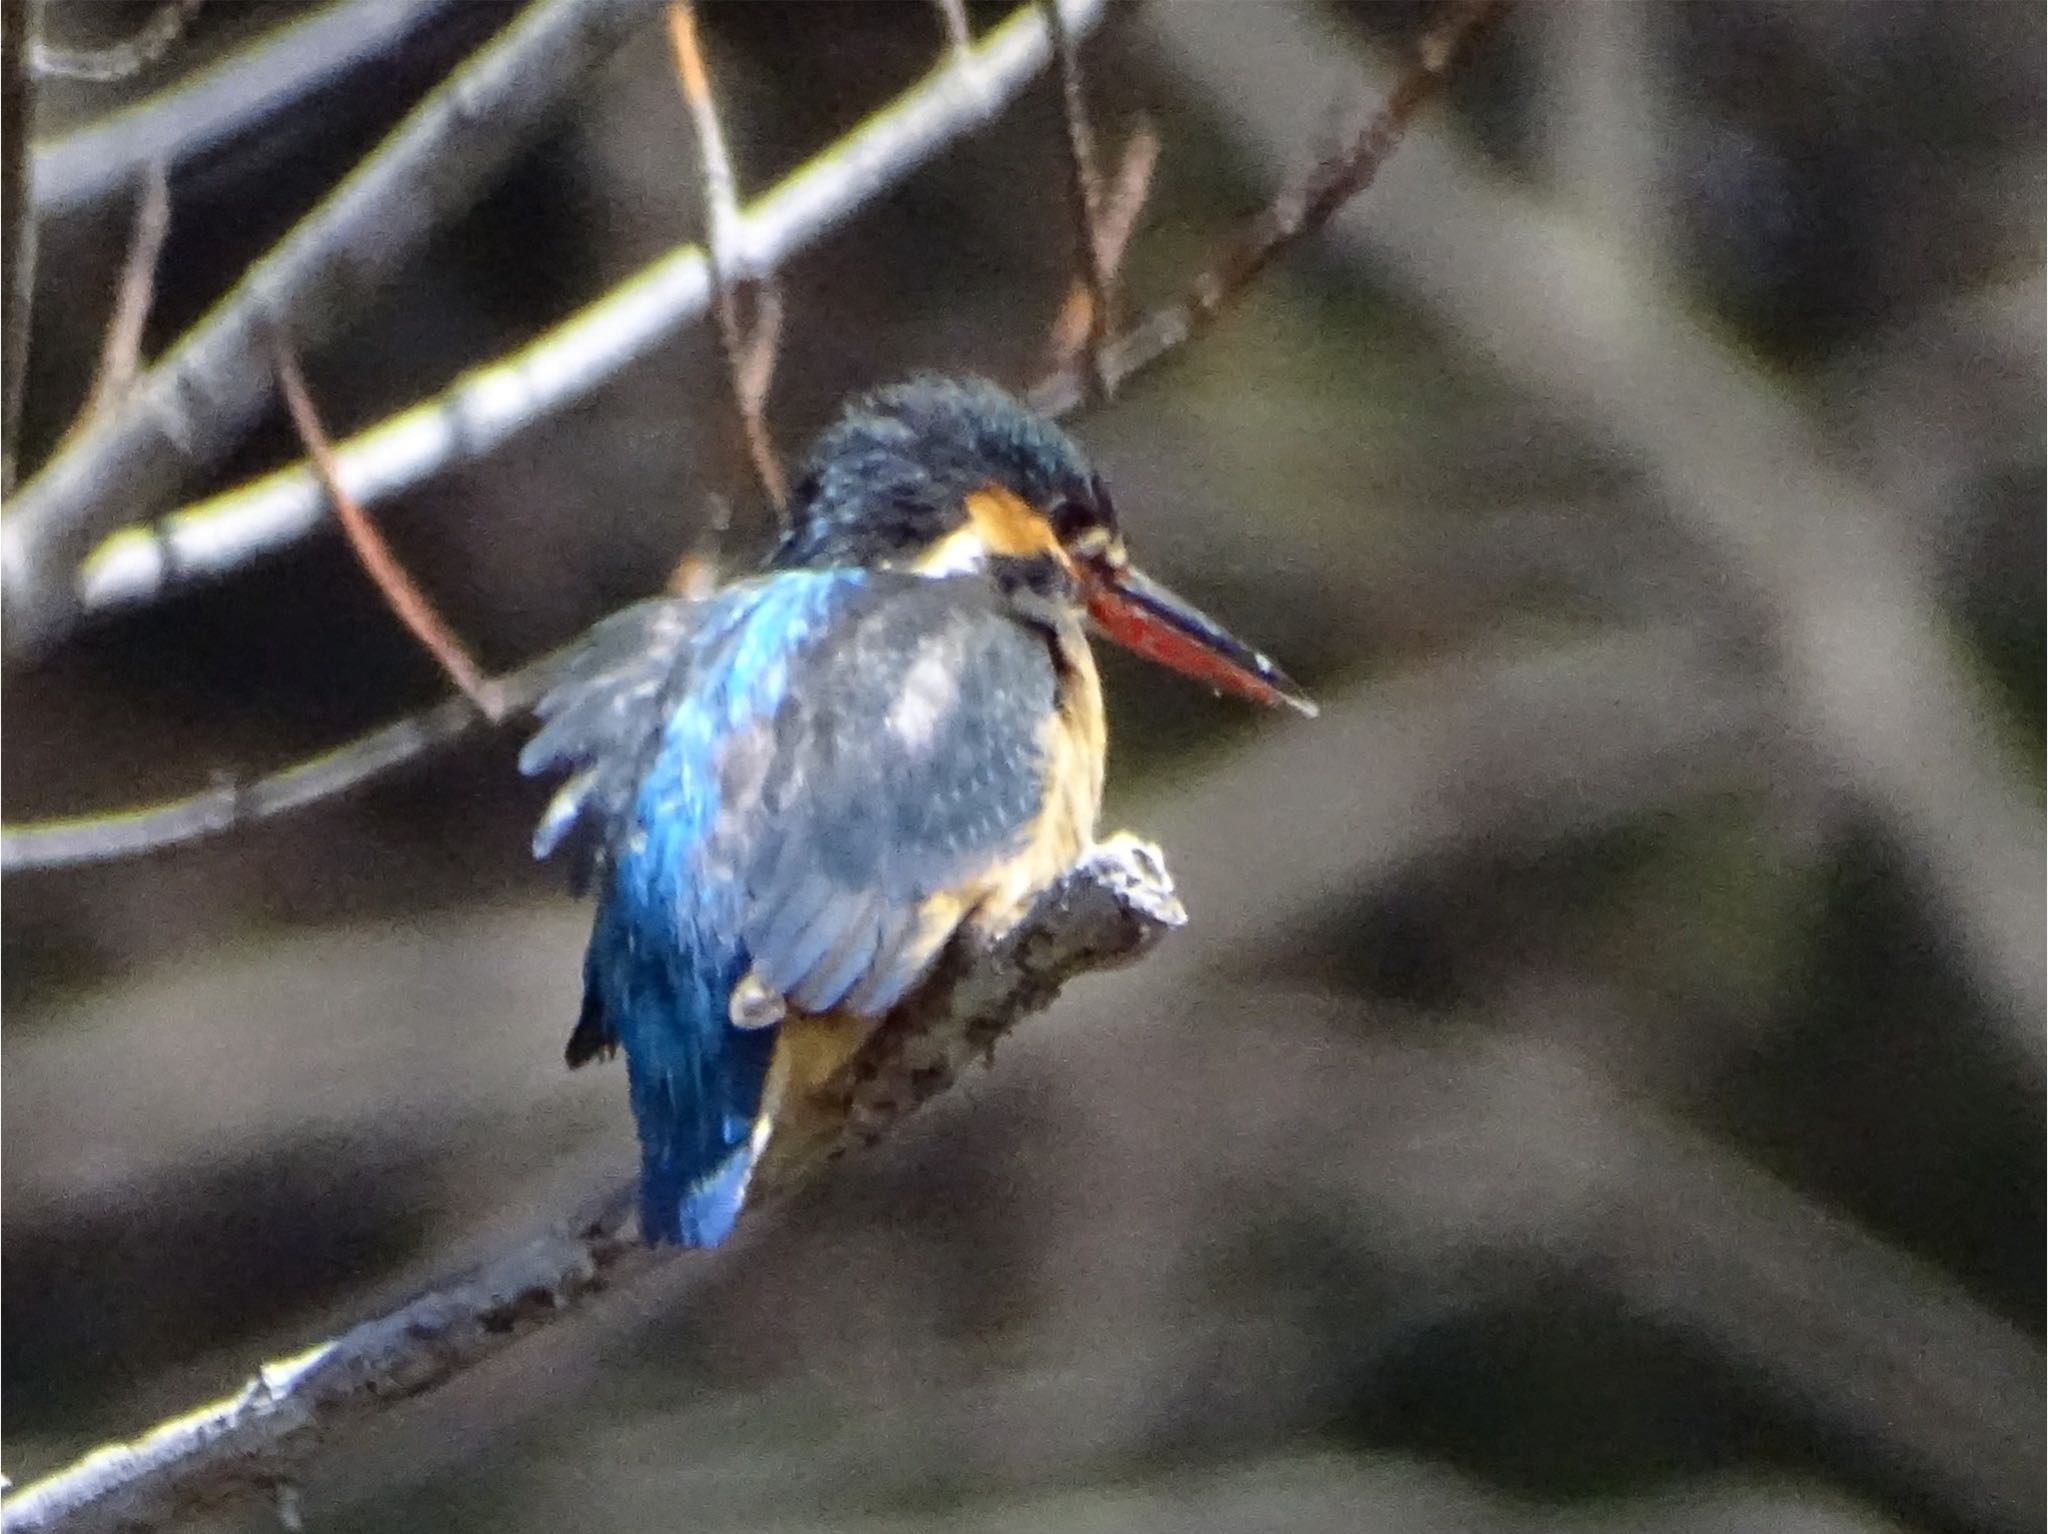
{"points": [[953, 18], [590, 347], [231, 805], [1107, 911], [750, 349], [121, 351], [1116, 221], [193, 406], [211, 107], [1301, 208], [17, 220], [123, 60], [210, 538], [401, 593], [1084, 195], [1730, 453]]}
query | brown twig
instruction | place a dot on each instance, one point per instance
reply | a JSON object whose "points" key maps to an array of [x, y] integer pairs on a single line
{"points": [[1301, 208], [1116, 221], [1085, 200], [401, 594], [953, 17], [750, 348], [121, 352], [127, 833], [118, 61]]}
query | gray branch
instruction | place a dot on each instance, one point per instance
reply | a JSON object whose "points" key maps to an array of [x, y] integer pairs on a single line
{"points": [[216, 105], [195, 404], [486, 406], [1109, 910], [124, 60]]}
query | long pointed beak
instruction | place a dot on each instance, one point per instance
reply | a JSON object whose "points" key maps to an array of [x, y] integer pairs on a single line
{"points": [[1142, 615]]}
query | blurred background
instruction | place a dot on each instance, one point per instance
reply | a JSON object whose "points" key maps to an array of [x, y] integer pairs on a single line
{"points": [[1601, 1085]]}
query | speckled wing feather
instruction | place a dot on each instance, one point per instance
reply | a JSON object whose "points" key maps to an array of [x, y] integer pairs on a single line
{"points": [[602, 721], [891, 750], [906, 760]]}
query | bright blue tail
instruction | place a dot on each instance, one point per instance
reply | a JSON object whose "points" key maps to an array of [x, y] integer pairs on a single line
{"points": [[678, 1210], [696, 1080]]}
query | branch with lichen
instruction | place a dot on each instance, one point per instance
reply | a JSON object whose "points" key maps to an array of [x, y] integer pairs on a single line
{"points": [[1109, 910]]}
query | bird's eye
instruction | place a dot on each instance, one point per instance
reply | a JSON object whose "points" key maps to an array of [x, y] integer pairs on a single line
{"points": [[1070, 519]]}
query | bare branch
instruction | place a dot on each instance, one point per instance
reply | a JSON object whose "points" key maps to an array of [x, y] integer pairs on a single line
{"points": [[121, 352], [17, 220], [194, 405], [616, 330], [1108, 910], [246, 1443], [400, 592], [1116, 221], [750, 349], [212, 537], [123, 60], [130, 832], [1084, 196], [1301, 208], [1860, 640], [231, 805], [215, 105]]}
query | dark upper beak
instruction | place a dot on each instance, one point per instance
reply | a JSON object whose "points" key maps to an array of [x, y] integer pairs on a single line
{"points": [[1142, 615]]}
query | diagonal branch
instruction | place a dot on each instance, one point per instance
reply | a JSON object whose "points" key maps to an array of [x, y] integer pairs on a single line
{"points": [[211, 107], [589, 346], [195, 404], [1108, 910], [749, 348], [1301, 208], [483, 408], [231, 805], [401, 593], [1859, 639], [124, 60]]}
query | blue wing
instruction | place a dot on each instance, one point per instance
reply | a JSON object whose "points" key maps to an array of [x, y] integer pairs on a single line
{"points": [[788, 778]]}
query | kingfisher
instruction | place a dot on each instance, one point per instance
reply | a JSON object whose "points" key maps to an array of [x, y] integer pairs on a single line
{"points": [[791, 793]]}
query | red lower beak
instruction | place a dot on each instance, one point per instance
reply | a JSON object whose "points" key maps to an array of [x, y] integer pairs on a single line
{"points": [[1141, 615]]}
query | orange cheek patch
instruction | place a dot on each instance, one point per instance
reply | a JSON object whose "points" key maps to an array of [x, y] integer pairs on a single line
{"points": [[1007, 525]]}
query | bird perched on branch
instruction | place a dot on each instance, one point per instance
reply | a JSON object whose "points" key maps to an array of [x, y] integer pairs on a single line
{"points": [[789, 795]]}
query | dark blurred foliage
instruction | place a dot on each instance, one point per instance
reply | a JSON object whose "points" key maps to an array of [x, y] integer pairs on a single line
{"points": [[1367, 1222]]}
